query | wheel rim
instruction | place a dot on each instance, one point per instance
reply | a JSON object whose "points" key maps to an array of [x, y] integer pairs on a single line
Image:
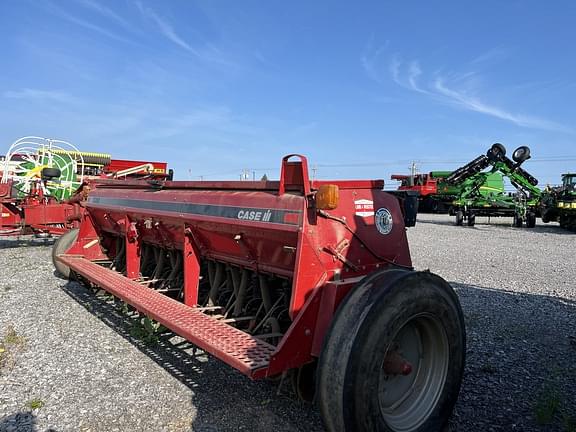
{"points": [[406, 401]]}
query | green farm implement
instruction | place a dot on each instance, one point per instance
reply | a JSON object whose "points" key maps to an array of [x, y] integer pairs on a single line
{"points": [[482, 192], [559, 203]]}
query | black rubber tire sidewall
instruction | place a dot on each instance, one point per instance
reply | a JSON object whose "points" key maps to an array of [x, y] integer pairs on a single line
{"points": [[459, 218], [530, 220], [332, 364], [52, 173], [496, 152], [375, 313], [386, 316], [60, 246]]}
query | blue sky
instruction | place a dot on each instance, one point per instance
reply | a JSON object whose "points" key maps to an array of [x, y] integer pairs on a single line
{"points": [[361, 88]]}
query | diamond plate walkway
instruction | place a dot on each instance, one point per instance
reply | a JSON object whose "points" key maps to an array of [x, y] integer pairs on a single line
{"points": [[235, 347]]}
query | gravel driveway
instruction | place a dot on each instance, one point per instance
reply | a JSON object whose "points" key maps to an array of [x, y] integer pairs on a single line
{"points": [[71, 364]]}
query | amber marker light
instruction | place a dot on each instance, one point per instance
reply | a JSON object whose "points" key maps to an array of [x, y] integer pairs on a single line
{"points": [[327, 197]]}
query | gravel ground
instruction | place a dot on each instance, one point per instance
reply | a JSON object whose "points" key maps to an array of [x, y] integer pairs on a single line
{"points": [[73, 365]]}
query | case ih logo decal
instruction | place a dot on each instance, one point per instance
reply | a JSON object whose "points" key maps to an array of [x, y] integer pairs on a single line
{"points": [[364, 208], [280, 216], [383, 221], [255, 215]]}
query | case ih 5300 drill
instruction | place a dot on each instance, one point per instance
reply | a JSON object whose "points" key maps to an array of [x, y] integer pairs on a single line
{"points": [[300, 277]]}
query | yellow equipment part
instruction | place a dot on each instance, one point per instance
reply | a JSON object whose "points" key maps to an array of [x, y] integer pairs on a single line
{"points": [[89, 158]]}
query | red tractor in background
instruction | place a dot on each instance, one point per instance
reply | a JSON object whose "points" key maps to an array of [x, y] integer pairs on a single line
{"points": [[435, 194], [43, 183]]}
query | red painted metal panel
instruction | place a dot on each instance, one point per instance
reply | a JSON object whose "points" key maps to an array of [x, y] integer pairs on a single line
{"points": [[295, 349], [121, 164], [132, 249], [264, 243], [88, 241], [6, 190], [11, 216], [47, 213], [422, 183], [191, 269], [332, 295], [350, 184]]}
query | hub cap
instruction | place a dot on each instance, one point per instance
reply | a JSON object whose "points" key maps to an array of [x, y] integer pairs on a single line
{"points": [[407, 400]]}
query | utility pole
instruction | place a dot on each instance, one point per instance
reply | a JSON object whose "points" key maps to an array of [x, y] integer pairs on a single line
{"points": [[245, 175], [413, 172], [314, 168]]}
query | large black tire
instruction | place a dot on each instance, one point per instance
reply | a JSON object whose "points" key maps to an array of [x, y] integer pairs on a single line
{"points": [[496, 152], [471, 219], [51, 173], [60, 246], [517, 222], [521, 154], [530, 220], [459, 218], [416, 315]]}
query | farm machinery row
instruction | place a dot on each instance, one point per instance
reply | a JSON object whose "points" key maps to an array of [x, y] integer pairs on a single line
{"points": [[436, 195], [477, 189], [298, 278], [43, 183]]}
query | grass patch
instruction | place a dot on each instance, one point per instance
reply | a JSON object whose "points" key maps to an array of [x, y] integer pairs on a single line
{"points": [[547, 406], [35, 403], [13, 338], [10, 344], [146, 330]]}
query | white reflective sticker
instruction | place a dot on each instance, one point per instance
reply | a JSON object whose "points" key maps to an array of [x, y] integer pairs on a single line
{"points": [[364, 208]]}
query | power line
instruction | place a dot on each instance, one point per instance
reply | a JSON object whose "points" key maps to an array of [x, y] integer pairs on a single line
{"points": [[389, 163]]}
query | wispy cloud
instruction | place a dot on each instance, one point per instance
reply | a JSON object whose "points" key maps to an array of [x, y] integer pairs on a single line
{"points": [[461, 91], [406, 75], [472, 103], [106, 12], [86, 24], [490, 55], [395, 64], [371, 59], [414, 73], [166, 28], [35, 94], [202, 50]]}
